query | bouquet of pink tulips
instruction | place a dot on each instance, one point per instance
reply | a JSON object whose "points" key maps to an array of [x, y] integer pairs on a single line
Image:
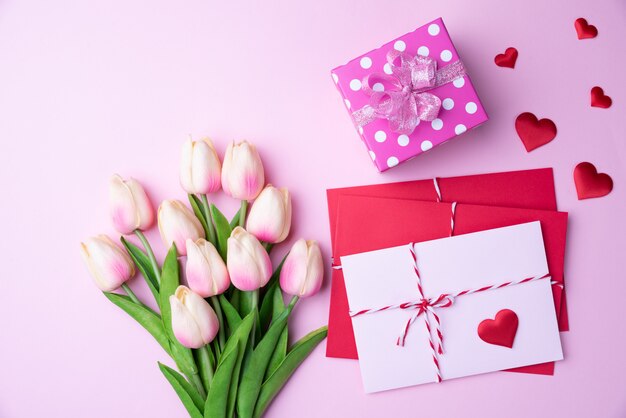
{"points": [[227, 329]]}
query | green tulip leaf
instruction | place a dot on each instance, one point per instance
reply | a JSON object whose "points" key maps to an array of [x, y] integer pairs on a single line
{"points": [[298, 353], [222, 229], [235, 295], [256, 367], [196, 205], [188, 395], [223, 392], [283, 341], [216, 405], [146, 318], [273, 281], [144, 265], [235, 221], [232, 316], [169, 282]]}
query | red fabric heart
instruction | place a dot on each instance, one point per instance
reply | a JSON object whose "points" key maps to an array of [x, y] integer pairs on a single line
{"points": [[599, 99], [590, 183], [507, 59], [501, 330], [585, 30], [534, 133]]}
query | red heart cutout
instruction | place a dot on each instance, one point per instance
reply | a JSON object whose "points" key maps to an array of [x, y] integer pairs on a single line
{"points": [[534, 133], [585, 30], [507, 59], [599, 99], [501, 330], [590, 183]]}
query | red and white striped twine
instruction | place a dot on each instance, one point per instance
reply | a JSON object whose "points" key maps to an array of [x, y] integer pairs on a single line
{"points": [[426, 306]]}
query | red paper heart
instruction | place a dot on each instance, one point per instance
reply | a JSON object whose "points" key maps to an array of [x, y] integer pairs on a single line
{"points": [[590, 183], [599, 99], [585, 30], [501, 330], [507, 59], [534, 133]]}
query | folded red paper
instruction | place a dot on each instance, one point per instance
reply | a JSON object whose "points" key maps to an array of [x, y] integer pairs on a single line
{"points": [[522, 189]]}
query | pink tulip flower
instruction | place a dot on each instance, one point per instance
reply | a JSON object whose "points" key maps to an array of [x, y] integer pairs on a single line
{"points": [[200, 167], [303, 271], [177, 224], [193, 320], [270, 216], [249, 265], [109, 265], [205, 270], [243, 176], [130, 207]]}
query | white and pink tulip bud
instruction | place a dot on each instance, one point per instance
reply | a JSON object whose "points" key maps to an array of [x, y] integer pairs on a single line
{"points": [[270, 216], [130, 207], [109, 265], [177, 224], [200, 167], [249, 265], [205, 270], [303, 271], [193, 320], [243, 176]]}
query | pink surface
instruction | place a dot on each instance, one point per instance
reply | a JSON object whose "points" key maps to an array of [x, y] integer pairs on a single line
{"points": [[461, 107], [92, 88]]}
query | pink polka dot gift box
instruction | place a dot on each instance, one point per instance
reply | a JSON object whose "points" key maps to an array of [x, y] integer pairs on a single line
{"points": [[409, 95]]}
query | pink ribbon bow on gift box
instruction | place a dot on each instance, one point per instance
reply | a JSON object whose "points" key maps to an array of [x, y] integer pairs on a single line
{"points": [[407, 102]]}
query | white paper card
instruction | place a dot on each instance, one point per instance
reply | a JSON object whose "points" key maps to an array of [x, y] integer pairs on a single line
{"points": [[386, 277]]}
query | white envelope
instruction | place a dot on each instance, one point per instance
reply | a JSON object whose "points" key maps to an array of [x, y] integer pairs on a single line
{"points": [[446, 266]]}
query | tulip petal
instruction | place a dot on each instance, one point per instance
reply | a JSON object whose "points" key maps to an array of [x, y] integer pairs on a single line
{"points": [[204, 316], [293, 273], [109, 265], [122, 206], [184, 325], [314, 271], [143, 206]]}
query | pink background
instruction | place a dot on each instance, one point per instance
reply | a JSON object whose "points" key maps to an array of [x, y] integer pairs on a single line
{"points": [[92, 88]]}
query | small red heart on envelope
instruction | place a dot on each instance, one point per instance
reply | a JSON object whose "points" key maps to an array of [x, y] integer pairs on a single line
{"points": [[584, 30], [507, 59], [501, 330], [599, 99], [533, 132], [590, 183]]}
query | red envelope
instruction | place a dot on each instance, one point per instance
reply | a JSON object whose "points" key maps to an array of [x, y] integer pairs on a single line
{"points": [[367, 222], [523, 189]]}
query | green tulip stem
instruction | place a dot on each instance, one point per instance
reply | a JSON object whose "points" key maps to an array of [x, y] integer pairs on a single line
{"points": [[148, 248], [243, 211], [131, 294], [209, 221], [220, 333], [255, 305]]}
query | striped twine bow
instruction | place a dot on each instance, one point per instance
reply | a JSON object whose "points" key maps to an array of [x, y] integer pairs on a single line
{"points": [[427, 307]]}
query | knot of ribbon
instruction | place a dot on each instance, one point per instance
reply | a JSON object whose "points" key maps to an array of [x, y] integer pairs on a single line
{"points": [[426, 306], [406, 100]]}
